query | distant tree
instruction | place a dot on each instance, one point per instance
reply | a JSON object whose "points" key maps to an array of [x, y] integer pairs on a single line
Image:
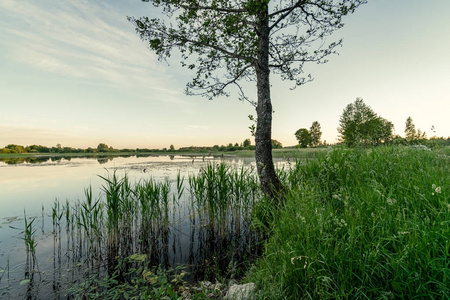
{"points": [[276, 144], [172, 148], [421, 135], [303, 137], [15, 148], [103, 148], [315, 133], [359, 124], [246, 143], [383, 131], [410, 130], [227, 42]]}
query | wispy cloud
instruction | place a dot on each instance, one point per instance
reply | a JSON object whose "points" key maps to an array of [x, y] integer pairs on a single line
{"points": [[82, 39]]}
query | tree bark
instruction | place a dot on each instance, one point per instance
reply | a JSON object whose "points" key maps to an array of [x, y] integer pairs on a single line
{"points": [[270, 183]]}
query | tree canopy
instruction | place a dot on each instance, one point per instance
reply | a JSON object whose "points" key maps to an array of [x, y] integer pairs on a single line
{"points": [[227, 42], [359, 124], [303, 137], [315, 133]]}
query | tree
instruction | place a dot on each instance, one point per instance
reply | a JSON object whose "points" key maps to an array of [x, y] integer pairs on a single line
{"points": [[384, 132], [172, 148], [410, 130], [303, 137], [103, 148], [315, 133], [246, 143], [276, 144], [359, 124], [226, 42]]}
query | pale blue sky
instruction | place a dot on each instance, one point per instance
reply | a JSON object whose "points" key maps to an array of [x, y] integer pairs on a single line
{"points": [[75, 73]]}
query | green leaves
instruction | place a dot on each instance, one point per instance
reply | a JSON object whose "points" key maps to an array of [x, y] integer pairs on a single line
{"points": [[222, 37], [360, 125]]}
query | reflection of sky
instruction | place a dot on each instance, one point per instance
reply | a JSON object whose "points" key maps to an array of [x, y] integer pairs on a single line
{"points": [[29, 186]]}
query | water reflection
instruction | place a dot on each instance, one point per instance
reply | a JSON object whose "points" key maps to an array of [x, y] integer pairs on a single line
{"points": [[190, 228], [43, 159]]}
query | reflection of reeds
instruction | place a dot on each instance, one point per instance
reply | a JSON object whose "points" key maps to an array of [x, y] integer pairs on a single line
{"points": [[148, 218]]}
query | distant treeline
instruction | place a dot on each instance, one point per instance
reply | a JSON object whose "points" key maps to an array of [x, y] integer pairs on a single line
{"points": [[104, 148]]}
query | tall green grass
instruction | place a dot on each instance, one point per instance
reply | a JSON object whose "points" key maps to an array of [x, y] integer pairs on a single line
{"points": [[361, 224], [149, 219]]}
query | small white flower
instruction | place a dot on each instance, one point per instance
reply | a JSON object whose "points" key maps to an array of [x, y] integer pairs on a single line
{"points": [[337, 196], [300, 258], [391, 201], [438, 190], [433, 186]]}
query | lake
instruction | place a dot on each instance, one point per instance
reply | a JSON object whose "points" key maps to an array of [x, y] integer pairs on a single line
{"points": [[34, 186]]}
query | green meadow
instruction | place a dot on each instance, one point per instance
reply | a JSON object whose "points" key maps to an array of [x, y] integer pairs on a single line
{"points": [[361, 224]]}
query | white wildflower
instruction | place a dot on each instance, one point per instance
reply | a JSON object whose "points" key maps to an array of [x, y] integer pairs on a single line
{"points": [[300, 258], [391, 201], [438, 190], [337, 196]]}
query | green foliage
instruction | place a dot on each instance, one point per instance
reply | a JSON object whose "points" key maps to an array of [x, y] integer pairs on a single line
{"points": [[135, 221], [246, 143], [413, 136], [410, 130], [315, 133], [276, 144], [360, 125], [141, 282], [361, 223], [219, 39], [303, 137], [104, 148]]}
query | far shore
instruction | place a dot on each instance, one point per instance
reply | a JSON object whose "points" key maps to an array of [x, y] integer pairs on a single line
{"points": [[278, 153]]}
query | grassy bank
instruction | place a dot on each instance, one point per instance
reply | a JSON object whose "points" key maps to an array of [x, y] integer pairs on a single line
{"points": [[368, 223]]}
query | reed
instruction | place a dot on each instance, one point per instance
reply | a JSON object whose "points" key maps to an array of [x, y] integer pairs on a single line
{"points": [[144, 218], [30, 245]]}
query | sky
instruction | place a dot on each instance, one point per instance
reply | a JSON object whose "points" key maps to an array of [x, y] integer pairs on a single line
{"points": [[76, 73]]}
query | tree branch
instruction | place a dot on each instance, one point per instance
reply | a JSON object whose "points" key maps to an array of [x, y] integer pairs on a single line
{"points": [[286, 12], [229, 54]]}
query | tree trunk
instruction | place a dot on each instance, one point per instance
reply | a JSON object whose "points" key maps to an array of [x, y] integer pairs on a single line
{"points": [[270, 183]]}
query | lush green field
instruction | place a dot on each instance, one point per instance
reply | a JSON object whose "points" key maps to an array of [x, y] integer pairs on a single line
{"points": [[361, 223]]}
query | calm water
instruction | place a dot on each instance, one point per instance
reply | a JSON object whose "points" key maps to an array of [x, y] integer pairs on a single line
{"points": [[33, 186]]}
